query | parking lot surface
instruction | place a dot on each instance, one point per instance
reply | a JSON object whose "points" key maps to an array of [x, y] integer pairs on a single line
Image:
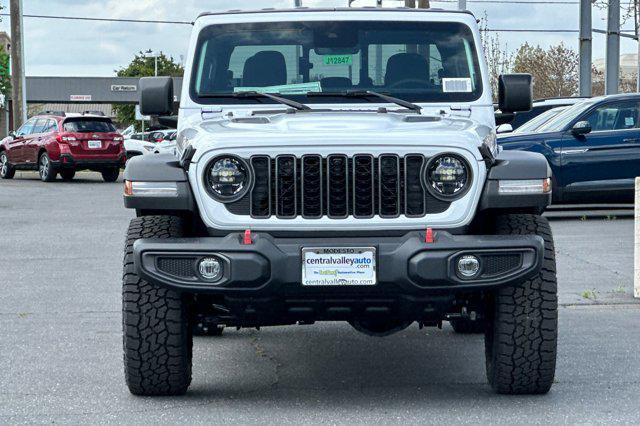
{"points": [[61, 348]]}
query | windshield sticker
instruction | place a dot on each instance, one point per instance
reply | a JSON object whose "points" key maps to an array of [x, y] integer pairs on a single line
{"points": [[338, 60], [286, 89], [456, 85]]}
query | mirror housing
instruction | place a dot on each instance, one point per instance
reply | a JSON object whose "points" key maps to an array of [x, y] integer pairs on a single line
{"points": [[581, 128], [12, 134], [504, 128], [515, 92], [156, 96]]}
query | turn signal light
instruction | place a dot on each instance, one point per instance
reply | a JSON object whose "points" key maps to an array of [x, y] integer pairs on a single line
{"points": [[525, 186]]}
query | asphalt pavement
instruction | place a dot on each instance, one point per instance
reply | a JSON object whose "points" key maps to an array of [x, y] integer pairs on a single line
{"points": [[61, 346]]}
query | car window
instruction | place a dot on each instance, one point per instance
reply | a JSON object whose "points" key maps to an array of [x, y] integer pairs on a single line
{"points": [[39, 126], [533, 124], [52, 126], [89, 125], [614, 116], [425, 62], [562, 120], [26, 128]]}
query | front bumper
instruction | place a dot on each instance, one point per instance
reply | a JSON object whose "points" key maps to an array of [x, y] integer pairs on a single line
{"points": [[406, 266]]}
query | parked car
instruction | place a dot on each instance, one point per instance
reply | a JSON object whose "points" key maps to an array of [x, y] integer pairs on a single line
{"points": [[593, 148], [381, 202], [161, 135], [63, 144], [539, 106], [134, 147]]}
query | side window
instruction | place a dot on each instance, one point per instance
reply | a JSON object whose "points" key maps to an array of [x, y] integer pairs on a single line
{"points": [[614, 116], [40, 125], [50, 127]]}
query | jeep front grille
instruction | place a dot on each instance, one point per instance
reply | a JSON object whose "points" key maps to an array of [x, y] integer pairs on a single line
{"points": [[338, 186]]}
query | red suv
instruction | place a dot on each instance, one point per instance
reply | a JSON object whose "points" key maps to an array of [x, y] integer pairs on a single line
{"points": [[55, 143]]}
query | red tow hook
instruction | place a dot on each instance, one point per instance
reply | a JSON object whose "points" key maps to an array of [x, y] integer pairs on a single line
{"points": [[247, 241], [429, 236]]}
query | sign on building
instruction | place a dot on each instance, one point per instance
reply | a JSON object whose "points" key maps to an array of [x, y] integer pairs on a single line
{"points": [[80, 98], [124, 88]]}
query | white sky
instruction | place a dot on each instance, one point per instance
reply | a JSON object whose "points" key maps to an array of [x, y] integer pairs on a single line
{"points": [[68, 48]]}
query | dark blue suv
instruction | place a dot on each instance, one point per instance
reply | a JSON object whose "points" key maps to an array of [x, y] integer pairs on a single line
{"points": [[593, 148]]}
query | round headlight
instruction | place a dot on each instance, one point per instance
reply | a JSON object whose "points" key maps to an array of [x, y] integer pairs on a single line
{"points": [[448, 176], [228, 178]]}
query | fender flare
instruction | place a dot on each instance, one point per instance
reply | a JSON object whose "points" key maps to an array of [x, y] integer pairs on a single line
{"points": [[159, 168]]}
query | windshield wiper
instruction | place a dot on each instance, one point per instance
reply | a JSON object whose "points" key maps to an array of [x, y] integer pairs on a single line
{"points": [[253, 94], [368, 94]]}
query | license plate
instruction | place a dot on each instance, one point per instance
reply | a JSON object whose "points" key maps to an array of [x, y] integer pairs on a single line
{"points": [[339, 266], [95, 144]]}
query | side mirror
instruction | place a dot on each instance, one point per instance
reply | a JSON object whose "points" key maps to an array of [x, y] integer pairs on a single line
{"points": [[581, 128], [12, 135], [515, 92], [504, 128], [156, 95]]}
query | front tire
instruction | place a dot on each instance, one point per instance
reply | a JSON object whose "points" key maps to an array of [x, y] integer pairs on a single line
{"points": [[46, 169], [156, 328], [110, 175], [521, 339], [7, 171]]}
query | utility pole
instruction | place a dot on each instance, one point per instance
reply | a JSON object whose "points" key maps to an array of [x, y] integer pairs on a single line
{"points": [[18, 80], [150, 54], [585, 47], [612, 70]]}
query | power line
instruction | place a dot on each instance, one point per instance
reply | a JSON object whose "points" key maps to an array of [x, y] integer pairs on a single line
{"points": [[84, 18], [505, 30]]}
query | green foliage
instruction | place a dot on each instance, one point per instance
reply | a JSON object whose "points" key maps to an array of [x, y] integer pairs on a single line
{"points": [[144, 66], [5, 75]]}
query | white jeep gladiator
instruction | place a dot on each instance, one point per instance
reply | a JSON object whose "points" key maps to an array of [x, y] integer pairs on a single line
{"points": [[338, 165]]}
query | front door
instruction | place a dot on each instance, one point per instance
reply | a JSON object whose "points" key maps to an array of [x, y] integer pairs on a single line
{"points": [[16, 146], [601, 166]]}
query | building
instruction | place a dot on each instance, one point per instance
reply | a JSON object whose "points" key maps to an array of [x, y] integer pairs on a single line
{"points": [[79, 94], [628, 65]]}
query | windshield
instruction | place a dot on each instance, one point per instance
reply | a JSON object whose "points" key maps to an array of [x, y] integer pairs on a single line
{"points": [[562, 120], [533, 124], [417, 62], [89, 125]]}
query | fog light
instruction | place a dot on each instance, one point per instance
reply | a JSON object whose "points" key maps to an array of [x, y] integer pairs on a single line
{"points": [[468, 266], [210, 269]]}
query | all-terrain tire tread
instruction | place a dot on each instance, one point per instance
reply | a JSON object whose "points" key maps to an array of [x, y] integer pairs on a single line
{"points": [[521, 345], [157, 336]]}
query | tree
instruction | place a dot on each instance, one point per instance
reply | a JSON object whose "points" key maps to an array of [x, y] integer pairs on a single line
{"points": [[5, 75], [144, 66], [554, 71]]}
